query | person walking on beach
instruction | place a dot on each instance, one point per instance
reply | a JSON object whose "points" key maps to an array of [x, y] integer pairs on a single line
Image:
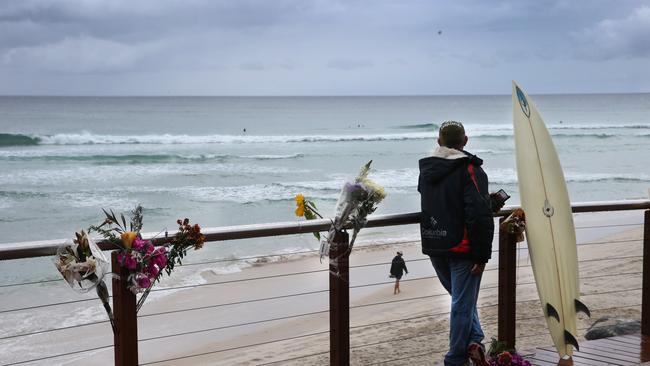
{"points": [[397, 269], [456, 227]]}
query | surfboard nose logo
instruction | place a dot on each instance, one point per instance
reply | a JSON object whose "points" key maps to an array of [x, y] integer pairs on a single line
{"points": [[523, 102]]}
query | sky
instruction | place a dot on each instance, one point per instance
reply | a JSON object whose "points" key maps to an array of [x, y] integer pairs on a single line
{"points": [[322, 47]]}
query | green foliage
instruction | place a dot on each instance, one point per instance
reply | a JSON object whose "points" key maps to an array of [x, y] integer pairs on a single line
{"points": [[497, 347]]}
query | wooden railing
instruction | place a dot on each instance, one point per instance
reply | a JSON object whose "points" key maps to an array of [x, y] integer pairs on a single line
{"points": [[124, 302]]}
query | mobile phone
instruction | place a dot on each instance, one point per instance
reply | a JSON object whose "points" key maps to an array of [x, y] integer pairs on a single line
{"points": [[501, 196]]}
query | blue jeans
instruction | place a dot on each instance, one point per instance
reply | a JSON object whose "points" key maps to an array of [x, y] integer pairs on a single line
{"points": [[464, 328]]}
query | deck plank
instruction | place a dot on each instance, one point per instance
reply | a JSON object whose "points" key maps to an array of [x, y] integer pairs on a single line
{"points": [[620, 351]]}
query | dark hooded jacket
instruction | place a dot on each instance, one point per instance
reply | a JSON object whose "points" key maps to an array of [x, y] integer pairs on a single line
{"points": [[398, 267], [456, 219]]}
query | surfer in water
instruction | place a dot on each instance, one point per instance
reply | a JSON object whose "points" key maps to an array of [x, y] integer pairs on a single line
{"points": [[457, 227]]}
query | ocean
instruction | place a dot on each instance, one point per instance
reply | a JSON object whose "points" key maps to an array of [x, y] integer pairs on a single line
{"points": [[241, 160], [230, 161]]}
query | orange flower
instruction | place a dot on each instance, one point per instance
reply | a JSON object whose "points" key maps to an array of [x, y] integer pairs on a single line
{"points": [[127, 238], [300, 205]]}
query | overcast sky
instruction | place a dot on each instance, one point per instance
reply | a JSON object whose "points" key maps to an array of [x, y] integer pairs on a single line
{"points": [[322, 47]]}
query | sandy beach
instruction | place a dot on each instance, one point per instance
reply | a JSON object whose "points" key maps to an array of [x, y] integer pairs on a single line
{"points": [[406, 329]]}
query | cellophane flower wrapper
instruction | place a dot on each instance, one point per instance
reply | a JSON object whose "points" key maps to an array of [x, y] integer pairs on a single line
{"points": [[82, 276], [358, 199], [84, 270]]}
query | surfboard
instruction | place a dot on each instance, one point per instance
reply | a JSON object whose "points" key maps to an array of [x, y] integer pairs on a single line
{"points": [[549, 223]]}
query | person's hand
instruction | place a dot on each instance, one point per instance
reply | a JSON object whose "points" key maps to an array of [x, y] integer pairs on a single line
{"points": [[477, 269], [497, 205]]}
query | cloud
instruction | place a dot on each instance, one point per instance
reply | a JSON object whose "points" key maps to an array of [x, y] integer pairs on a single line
{"points": [[617, 38], [253, 66], [79, 55], [347, 64]]}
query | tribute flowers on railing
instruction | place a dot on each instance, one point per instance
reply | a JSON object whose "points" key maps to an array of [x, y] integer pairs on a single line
{"points": [[358, 199], [500, 354], [83, 265]]}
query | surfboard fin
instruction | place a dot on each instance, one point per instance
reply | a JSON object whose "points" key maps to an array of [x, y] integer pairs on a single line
{"points": [[550, 311], [570, 339], [582, 308]]}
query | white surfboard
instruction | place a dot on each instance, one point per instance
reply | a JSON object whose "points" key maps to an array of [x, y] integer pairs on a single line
{"points": [[549, 223]]}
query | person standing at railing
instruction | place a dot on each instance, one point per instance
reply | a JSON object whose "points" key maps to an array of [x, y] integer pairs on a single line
{"points": [[456, 227], [397, 269]]}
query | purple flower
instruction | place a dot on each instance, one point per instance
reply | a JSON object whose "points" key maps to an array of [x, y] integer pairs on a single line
{"points": [[138, 244], [159, 258], [144, 282], [152, 269], [127, 260]]}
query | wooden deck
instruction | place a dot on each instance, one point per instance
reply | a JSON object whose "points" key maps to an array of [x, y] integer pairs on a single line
{"points": [[618, 351]]}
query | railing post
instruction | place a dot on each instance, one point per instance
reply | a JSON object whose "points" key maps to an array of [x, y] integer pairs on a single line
{"points": [[507, 285], [645, 296], [339, 300], [125, 338]]}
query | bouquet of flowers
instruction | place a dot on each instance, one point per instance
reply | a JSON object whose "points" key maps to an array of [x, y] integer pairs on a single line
{"points": [[83, 266], [515, 224], [144, 262], [357, 200], [501, 355]]}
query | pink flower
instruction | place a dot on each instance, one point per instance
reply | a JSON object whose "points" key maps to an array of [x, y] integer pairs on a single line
{"points": [[152, 269], [144, 282], [505, 358], [143, 246], [160, 258], [138, 244], [127, 260]]}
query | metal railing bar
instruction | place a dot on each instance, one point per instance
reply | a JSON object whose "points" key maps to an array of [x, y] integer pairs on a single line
{"points": [[425, 335], [613, 225], [522, 247], [294, 295], [586, 277], [59, 355], [611, 292], [276, 297], [232, 303], [47, 305], [270, 320], [285, 339], [597, 309], [294, 358], [29, 283], [611, 259], [585, 294], [236, 348], [292, 253], [238, 280], [411, 337], [292, 274], [234, 325], [53, 330], [278, 318], [610, 242], [270, 276], [483, 324], [48, 247]]}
